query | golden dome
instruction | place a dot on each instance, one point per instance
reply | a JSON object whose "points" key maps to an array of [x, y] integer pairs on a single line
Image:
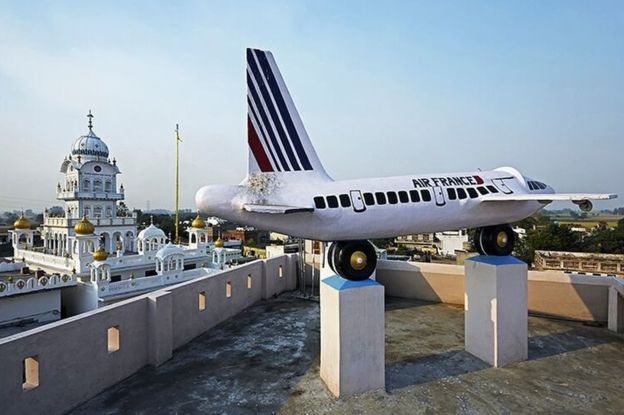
{"points": [[21, 223], [198, 223], [100, 254], [84, 227], [219, 243]]}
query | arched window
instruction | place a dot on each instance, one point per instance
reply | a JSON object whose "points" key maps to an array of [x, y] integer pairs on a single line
{"points": [[109, 212], [87, 211], [107, 186], [97, 185], [86, 185], [97, 211]]}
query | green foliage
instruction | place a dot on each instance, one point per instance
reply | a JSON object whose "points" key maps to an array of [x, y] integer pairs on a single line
{"points": [[554, 237], [250, 243], [402, 250]]}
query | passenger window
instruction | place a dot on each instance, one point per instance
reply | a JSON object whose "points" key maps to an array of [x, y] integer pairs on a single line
{"points": [[541, 185], [492, 189], [426, 195], [369, 199], [381, 198], [332, 201], [461, 193], [319, 202], [414, 196], [472, 193], [452, 195], [403, 196], [482, 190], [531, 186], [345, 201], [392, 198]]}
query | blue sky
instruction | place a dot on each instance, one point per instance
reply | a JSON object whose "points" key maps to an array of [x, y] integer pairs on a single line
{"points": [[384, 88]]}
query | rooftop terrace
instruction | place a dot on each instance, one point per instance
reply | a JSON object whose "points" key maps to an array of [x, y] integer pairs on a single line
{"points": [[266, 360]]}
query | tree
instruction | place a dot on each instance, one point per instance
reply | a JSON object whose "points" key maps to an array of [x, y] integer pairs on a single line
{"points": [[402, 250], [250, 243], [552, 237]]}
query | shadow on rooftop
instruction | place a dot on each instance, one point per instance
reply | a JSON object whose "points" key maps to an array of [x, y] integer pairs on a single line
{"points": [[431, 368], [563, 342]]}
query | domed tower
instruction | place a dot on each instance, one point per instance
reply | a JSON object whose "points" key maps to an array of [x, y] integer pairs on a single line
{"points": [[198, 234], [22, 235], [83, 244], [89, 189]]}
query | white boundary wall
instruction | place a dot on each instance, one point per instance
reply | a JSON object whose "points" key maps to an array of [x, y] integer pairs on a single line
{"points": [[74, 362], [550, 293]]}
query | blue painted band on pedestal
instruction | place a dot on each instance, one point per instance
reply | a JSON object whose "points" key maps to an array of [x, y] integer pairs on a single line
{"points": [[496, 260], [340, 283]]}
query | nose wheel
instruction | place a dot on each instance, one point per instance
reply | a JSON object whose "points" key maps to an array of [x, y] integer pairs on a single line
{"points": [[353, 260], [498, 240]]}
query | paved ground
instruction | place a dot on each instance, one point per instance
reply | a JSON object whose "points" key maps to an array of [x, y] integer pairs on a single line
{"points": [[266, 360]]}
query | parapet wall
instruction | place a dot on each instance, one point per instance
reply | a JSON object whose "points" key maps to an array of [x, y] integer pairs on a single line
{"points": [[74, 359], [555, 294]]}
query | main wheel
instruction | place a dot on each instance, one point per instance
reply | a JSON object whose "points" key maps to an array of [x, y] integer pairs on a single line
{"points": [[498, 240], [353, 260]]}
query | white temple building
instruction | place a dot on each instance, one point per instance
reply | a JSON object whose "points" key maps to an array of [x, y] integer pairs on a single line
{"points": [[95, 243]]}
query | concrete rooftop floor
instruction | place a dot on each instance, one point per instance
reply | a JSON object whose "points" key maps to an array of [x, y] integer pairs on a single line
{"points": [[266, 360]]}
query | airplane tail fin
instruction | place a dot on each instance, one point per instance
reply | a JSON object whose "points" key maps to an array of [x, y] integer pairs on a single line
{"points": [[278, 141]]}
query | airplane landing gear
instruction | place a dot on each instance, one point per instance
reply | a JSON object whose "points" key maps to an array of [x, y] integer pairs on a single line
{"points": [[498, 240], [353, 260]]}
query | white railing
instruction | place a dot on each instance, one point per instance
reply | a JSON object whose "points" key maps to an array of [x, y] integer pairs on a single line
{"points": [[26, 285], [45, 260], [67, 222], [145, 283], [89, 195]]}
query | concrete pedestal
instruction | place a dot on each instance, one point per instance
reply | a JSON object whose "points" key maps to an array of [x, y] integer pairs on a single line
{"points": [[352, 335], [496, 314], [616, 307]]}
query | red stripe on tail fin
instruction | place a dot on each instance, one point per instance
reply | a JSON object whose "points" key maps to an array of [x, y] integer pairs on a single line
{"points": [[257, 149]]}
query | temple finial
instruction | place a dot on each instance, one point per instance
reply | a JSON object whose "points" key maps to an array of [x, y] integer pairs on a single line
{"points": [[151, 219], [90, 117]]}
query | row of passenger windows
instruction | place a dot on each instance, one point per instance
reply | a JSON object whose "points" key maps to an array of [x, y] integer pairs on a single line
{"points": [[471, 192], [536, 185], [402, 196]]}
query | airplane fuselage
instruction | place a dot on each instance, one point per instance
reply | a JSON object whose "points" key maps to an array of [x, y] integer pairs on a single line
{"points": [[378, 207]]}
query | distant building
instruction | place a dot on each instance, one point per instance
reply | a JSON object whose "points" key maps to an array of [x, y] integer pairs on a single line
{"points": [[247, 234], [28, 296], [580, 262], [94, 241], [439, 243]]}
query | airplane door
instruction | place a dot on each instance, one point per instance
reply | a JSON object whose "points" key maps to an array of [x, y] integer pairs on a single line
{"points": [[500, 183], [438, 193], [357, 201]]}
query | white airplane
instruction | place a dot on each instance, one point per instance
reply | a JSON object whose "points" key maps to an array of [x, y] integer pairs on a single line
{"points": [[287, 190]]}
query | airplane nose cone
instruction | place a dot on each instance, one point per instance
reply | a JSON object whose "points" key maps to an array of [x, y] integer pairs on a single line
{"points": [[202, 199]]}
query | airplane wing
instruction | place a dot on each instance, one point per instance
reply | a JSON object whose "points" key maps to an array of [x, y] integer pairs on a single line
{"points": [[276, 209], [548, 197]]}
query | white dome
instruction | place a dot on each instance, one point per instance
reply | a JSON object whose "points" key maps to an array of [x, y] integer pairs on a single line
{"points": [[151, 232], [90, 145], [168, 250]]}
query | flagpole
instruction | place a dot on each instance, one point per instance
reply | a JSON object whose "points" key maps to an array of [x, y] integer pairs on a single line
{"points": [[177, 186]]}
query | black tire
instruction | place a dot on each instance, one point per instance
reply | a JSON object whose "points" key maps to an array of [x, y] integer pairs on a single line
{"points": [[343, 254], [477, 241], [498, 240]]}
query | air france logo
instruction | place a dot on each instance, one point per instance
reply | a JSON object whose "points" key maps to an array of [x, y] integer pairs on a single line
{"points": [[448, 181]]}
